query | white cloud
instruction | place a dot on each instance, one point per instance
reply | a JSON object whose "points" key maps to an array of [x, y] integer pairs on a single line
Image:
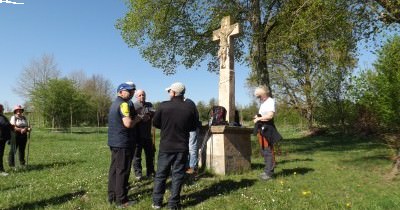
{"points": [[9, 2]]}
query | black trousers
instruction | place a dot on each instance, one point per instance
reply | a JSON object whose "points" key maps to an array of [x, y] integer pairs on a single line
{"points": [[118, 175], [2, 147], [167, 162], [148, 147], [20, 144]]}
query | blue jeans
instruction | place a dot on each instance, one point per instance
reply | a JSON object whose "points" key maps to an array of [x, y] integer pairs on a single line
{"points": [[176, 162], [193, 149]]}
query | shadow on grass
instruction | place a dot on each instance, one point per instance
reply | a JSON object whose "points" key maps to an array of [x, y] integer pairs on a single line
{"points": [[222, 187], [368, 159], [49, 202], [294, 160], [293, 171], [140, 188], [257, 166], [331, 143], [39, 167]]}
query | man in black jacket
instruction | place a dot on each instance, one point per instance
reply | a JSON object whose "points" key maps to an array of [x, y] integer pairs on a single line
{"points": [[5, 135], [176, 119]]}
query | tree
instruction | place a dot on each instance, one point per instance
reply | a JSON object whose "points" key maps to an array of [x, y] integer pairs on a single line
{"points": [[249, 111], [37, 73], [99, 92], [389, 12], [313, 55], [203, 111], [172, 33], [387, 84], [58, 102], [377, 92], [388, 96]]}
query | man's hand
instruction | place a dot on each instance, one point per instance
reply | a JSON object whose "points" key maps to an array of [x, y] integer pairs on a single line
{"points": [[146, 117]]}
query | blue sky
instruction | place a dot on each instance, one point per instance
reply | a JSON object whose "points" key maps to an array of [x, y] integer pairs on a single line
{"points": [[81, 36]]}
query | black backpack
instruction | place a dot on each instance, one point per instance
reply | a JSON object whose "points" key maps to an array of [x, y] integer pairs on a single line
{"points": [[218, 115]]}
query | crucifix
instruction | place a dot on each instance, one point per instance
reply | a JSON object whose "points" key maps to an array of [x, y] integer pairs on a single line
{"points": [[226, 94]]}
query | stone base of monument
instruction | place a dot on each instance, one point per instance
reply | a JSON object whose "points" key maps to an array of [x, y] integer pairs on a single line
{"points": [[228, 150]]}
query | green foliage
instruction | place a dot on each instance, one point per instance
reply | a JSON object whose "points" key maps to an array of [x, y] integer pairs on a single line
{"points": [[203, 111], [98, 92], [248, 112], [314, 59], [379, 91], [286, 116], [58, 101], [170, 33], [387, 82]]}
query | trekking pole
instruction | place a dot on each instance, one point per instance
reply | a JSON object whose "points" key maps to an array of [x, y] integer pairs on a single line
{"points": [[13, 151], [29, 140]]}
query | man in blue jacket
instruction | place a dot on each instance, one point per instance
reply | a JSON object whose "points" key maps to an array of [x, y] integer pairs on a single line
{"points": [[176, 118]]}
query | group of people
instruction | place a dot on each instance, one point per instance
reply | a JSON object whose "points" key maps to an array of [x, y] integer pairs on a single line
{"points": [[14, 132], [130, 130]]}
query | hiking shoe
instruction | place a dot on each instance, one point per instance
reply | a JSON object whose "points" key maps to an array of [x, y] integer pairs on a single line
{"points": [[126, 204], [155, 206], [265, 177], [3, 173]]}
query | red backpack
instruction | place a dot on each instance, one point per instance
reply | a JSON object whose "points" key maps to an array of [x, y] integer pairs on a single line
{"points": [[218, 115]]}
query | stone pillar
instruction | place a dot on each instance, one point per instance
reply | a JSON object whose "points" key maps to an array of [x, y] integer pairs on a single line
{"points": [[229, 150], [226, 90]]}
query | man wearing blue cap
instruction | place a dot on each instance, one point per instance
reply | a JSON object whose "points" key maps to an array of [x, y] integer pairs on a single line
{"points": [[120, 124]]}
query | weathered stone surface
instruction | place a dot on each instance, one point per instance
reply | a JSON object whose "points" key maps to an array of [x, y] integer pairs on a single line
{"points": [[229, 150]]}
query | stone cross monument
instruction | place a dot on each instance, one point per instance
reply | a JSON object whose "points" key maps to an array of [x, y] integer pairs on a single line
{"points": [[228, 147], [226, 95]]}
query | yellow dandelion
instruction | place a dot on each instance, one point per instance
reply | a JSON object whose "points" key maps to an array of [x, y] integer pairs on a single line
{"points": [[306, 193], [348, 205], [294, 173], [281, 182]]}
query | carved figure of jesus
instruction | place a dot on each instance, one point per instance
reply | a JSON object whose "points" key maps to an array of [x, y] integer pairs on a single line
{"points": [[223, 36]]}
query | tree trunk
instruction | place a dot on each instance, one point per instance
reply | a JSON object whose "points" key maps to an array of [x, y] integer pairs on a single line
{"points": [[52, 123], [258, 53], [98, 121], [309, 100]]}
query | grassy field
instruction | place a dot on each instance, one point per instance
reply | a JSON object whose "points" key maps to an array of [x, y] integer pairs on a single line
{"points": [[69, 171]]}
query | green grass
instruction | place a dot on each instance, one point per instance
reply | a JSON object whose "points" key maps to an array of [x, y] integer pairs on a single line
{"points": [[69, 171]]}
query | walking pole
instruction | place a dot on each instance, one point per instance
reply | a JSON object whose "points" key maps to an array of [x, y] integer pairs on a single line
{"points": [[29, 140], [13, 151]]}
